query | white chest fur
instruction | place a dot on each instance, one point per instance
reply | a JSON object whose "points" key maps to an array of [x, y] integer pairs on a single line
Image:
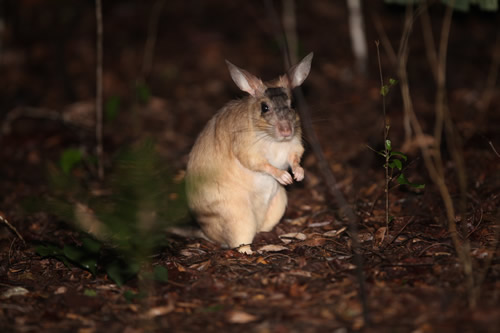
{"points": [[277, 153]]}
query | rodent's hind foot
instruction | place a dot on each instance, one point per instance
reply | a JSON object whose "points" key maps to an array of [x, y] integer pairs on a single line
{"points": [[245, 249]]}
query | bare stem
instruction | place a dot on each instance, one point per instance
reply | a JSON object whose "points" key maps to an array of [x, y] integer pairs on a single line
{"points": [[149, 48], [432, 157], [99, 102], [386, 135], [290, 29]]}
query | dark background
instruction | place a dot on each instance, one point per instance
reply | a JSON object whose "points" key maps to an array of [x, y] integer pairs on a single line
{"points": [[47, 62]]}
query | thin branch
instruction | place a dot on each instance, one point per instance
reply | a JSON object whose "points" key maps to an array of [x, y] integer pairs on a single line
{"points": [[99, 88], [11, 227], [491, 81], [386, 43], [403, 54], [386, 150], [357, 33], [149, 48], [324, 166], [433, 160], [493, 147], [429, 41], [290, 29], [29, 112]]}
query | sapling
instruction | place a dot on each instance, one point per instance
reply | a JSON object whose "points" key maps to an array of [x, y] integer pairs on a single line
{"points": [[393, 159], [123, 223]]}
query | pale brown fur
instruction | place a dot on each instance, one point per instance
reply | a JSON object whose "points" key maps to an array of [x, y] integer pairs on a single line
{"points": [[238, 165]]}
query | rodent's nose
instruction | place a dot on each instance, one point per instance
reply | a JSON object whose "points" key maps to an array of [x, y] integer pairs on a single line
{"points": [[285, 129]]}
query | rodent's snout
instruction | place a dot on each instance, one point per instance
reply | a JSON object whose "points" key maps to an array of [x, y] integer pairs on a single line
{"points": [[285, 129]]}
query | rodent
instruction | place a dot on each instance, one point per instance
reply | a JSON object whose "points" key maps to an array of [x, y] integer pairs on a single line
{"points": [[238, 165]]}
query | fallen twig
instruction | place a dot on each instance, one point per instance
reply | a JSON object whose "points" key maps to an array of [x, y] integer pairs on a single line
{"points": [[12, 228], [493, 147]]}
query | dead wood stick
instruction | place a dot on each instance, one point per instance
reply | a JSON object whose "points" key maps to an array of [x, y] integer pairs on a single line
{"points": [[11, 227], [493, 147]]}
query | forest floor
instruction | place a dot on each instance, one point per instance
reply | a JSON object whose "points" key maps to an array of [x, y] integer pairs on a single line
{"points": [[305, 282]]}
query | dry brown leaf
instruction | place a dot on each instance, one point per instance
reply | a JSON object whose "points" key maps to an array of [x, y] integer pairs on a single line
{"points": [[261, 260], [201, 266], [80, 318], [61, 290], [334, 233], [287, 238], [380, 236], [240, 317], [159, 311], [14, 291], [481, 253], [311, 241], [298, 221], [319, 224], [300, 273], [271, 248], [297, 290], [365, 237]]}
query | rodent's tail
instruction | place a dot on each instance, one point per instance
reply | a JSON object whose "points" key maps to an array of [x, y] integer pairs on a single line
{"points": [[187, 232]]}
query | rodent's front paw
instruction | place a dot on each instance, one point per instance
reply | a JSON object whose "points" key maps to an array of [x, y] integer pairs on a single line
{"points": [[298, 173], [284, 178], [245, 249]]}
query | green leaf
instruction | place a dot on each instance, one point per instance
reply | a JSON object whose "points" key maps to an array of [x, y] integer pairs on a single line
{"points": [[54, 252], [416, 185], [400, 154], [392, 81], [89, 264], [90, 292], [396, 164], [81, 257], [111, 108], [160, 274], [130, 296], [70, 158], [404, 181], [73, 253], [121, 272], [384, 90], [115, 273], [91, 245], [388, 145], [48, 250]]}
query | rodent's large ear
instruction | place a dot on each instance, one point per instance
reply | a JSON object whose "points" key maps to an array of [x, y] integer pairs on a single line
{"points": [[298, 73], [245, 81]]}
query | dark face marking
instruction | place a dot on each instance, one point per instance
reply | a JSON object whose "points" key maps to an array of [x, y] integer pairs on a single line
{"points": [[282, 118], [279, 98]]}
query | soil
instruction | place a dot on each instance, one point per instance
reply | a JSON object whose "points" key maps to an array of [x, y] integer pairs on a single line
{"points": [[412, 278]]}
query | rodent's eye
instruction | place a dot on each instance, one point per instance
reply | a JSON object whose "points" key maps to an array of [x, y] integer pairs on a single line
{"points": [[264, 107]]}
